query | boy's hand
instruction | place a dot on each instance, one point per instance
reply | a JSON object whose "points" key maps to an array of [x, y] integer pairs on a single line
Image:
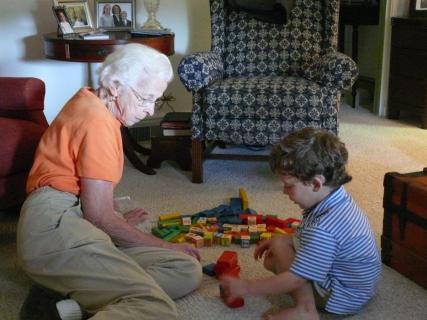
{"points": [[262, 249], [234, 287], [135, 216]]}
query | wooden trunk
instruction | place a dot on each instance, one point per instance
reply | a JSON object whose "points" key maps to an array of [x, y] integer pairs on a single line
{"points": [[404, 239]]}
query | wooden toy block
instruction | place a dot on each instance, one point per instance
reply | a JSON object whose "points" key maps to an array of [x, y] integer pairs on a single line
{"points": [[271, 228], [159, 233], [179, 239], [197, 230], [226, 240], [253, 230], [170, 216], [279, 231], [243, 195], [226, 261], [251, 220], [212, 220], [265, 235], [209, 269], [236, 303], [261, 227], [245, 241], [271, 221], [171, 235], [202, 221], [186, 221], [195, 239], [169, 224], [208, 239], [244, 217], [217, 237], [236, 204]]}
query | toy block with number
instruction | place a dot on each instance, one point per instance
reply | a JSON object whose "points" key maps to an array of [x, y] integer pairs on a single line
{"points": [[245, 241], [246, 216], [226, 240], [186, 221], [208, 239]]}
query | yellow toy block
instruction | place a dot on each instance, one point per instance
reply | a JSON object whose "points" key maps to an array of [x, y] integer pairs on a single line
{"points": [[277, 230], [169, 216], [226, 240], [208, 239], [265, 235], [179, 239], [243, 195]]}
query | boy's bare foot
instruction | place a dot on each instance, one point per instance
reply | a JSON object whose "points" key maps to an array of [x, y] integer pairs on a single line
{"points": [[293, 314]]}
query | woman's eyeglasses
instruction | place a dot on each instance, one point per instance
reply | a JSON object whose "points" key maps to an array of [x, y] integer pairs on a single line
{"points": [[142, 100]]}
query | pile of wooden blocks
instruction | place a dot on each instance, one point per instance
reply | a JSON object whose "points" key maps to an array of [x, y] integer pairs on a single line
{"points": [[223, 225]]}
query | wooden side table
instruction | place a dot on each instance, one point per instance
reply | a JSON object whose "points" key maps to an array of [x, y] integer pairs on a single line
{"points": [[75, 49], [175, 148]]}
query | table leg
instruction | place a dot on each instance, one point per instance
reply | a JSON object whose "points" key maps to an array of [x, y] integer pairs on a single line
{"points": [[130, 147]]}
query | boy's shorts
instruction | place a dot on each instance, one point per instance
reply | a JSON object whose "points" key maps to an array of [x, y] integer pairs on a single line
{"points": [[321, 296]]}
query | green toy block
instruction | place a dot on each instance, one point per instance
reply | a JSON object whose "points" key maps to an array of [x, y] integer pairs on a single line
{"points": [[171, 235]]}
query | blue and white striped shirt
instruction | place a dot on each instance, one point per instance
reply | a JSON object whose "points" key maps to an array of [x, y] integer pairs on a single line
{"points": [[338, 251]]}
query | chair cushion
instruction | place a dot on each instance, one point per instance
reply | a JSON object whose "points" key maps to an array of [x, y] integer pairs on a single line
{"points": [[260, 110], [19, 142]]}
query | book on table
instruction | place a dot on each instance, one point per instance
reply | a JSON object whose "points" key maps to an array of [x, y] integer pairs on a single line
{"points": [[176, 124]]}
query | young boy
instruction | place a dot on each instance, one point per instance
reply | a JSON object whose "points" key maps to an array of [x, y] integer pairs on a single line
{"points": [[332, 260]]}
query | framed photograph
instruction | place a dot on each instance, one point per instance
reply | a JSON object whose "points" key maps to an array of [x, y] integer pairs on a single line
{"points": [[115, 15], [78, 13], [64, 25], [418, 8]]}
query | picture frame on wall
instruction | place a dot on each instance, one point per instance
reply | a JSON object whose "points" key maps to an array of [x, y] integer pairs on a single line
{"points": [[115, 15], [64, 25], [418, 8], [78, 13]]}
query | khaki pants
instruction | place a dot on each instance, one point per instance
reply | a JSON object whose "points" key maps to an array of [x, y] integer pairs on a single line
{"points": [[62, 251]]}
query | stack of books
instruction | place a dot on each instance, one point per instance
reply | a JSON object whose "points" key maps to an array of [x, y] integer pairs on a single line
{"points": [[176, 124]]}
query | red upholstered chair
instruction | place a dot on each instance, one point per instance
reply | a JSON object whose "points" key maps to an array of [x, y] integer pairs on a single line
{"points": [[22, 123]]}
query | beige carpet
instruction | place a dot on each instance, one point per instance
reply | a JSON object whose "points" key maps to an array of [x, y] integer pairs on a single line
{"points": [[376, 146]]}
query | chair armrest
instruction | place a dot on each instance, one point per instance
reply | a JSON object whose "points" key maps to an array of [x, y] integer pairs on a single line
{"points": [[335, 70], [22, 98], [199, 69]]}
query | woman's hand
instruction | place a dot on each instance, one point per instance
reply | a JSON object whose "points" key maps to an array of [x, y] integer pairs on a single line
{"points": [[135, 216], [234, 287], [186, 248]]}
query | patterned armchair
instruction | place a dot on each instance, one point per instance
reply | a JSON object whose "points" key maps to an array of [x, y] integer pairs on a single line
{"points": [[261, 81]]}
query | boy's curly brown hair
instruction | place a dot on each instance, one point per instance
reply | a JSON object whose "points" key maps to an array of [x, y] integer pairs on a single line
{"points": [[308, 152]]}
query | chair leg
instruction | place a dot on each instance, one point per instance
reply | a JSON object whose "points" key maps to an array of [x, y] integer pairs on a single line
{"points": [[196, 161]]}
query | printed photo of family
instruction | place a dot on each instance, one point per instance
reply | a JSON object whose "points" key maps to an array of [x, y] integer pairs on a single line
{"points": [[114, 15]]}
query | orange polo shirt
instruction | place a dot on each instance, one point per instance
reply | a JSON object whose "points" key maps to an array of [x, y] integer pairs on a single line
{"points": [[84, 140]]}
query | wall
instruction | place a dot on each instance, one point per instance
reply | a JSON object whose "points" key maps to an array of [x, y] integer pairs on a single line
{"points": [[23, 23], [392, 8]]}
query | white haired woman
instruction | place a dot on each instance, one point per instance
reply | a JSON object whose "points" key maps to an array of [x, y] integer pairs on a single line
{"points": [[70, 239]]}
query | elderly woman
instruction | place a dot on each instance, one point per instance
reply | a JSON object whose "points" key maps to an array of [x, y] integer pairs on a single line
{"points": [[70, 238]]}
